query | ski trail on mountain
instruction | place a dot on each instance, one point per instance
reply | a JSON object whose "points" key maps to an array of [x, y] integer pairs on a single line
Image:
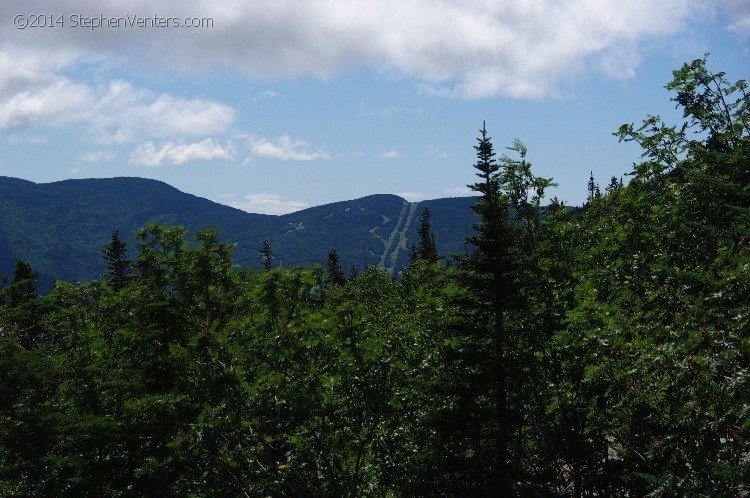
{"points": [[402, 239], [388, 243], [397, 239]]}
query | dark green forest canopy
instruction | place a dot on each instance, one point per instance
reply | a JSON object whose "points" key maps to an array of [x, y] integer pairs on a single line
{"points": [[60, 227], [601, 351]]}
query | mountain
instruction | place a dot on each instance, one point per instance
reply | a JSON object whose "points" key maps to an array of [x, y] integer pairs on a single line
{"points": [[61, 227]]}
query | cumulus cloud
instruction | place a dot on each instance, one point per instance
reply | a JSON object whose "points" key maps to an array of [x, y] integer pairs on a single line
{"points": [[264, 95], [738, 11], [140, 112], [388, 111], [16, 138], [412, 196], [172, 153], [36, 92], [459, 191], [58, 102], [98, 156], [21, 68], [459, 48], [267, 204], [390, 154], [284, 149]]}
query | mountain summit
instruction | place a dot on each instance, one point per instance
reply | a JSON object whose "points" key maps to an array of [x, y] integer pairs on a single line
{"points": [[61, 227]]}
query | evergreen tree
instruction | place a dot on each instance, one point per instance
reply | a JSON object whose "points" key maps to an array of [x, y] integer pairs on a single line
{"points": [[25, 284], [614, 185], [335, 273], [413, 255], [353, 273], [25, 311], [119, 267], [426, 250], [593, 190], [490, 273], [267, 255]]}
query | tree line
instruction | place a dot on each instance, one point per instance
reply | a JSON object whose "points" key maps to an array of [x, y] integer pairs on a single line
{"points": [[592, 351]]}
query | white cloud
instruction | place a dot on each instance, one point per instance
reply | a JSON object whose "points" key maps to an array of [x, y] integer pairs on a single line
{"points": [[170, 115], [390, 154], [35, 92], [172, 153], [124, 113], [98, 156], [466, 48], [435, 152], [16, 138], [738, 12], [264, 95], [741, 25], [459, 191], [412, 196], [22, 68], [284, 149], [388, 111], [60, 101], [268, 204]]}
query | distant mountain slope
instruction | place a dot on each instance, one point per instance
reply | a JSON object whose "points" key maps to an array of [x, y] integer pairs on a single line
{"points": [[61, 227]]}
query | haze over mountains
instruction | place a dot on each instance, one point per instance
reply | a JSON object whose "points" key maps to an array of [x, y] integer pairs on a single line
{"points": [[61, 227]]}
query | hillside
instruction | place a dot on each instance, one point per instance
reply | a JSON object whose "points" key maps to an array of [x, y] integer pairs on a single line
{"points": [[60, 227]]}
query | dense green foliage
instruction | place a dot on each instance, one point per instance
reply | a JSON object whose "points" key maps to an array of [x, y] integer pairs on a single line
{"points": [[603, 351]]}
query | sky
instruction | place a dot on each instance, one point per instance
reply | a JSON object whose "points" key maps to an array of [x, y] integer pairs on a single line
{"points": [[272, 106]]}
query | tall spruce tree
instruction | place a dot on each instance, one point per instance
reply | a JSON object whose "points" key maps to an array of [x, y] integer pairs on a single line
{"points": [[119, 267], [592, 189], [25, 306], [266, 255], [491, 276], [427, 249], [335, 273]]}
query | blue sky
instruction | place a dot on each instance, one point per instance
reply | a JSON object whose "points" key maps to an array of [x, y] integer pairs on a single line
{"points": [[281, 105]]}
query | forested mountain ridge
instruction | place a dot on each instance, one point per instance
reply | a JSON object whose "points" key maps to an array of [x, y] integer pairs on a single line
{"points": [[60, 227]]}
